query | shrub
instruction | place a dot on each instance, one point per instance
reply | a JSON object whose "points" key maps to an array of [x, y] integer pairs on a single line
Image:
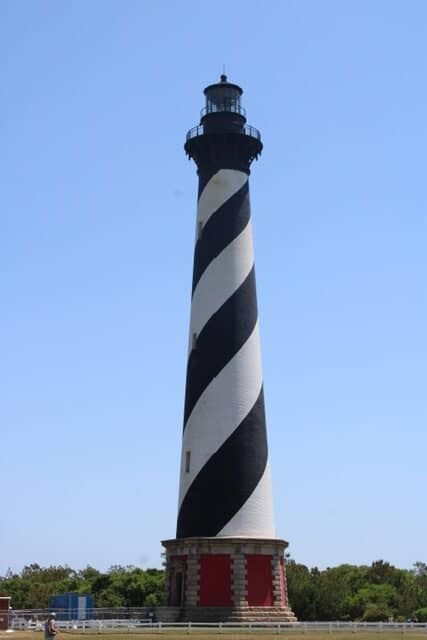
{"points": [[421, 614], [377, 613]]}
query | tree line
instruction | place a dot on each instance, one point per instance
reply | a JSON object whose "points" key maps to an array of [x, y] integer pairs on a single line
{"points": [[127, 586], [347, 592], [379, 592]]}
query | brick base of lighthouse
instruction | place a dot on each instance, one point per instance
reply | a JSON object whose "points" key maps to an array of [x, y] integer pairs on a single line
{"points": [[225, 579]]}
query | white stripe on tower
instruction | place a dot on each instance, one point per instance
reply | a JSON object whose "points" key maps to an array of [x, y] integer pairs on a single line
{"points": [[224, 482], [218, 190], [220, 410], [220, 280], [256, 515]]}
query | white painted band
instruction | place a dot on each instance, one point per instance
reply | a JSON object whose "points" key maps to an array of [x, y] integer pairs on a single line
{"points": [[255, 518], [221, 408], [221, 279], [223, 184]]}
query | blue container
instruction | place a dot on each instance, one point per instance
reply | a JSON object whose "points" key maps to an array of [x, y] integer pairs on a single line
{"points": [[71, 606]]}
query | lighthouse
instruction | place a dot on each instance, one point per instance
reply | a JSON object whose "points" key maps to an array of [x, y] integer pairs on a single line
{"points": [[225, 562]]}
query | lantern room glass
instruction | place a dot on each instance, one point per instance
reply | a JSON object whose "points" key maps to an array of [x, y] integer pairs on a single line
{"points": [[223, 98]]}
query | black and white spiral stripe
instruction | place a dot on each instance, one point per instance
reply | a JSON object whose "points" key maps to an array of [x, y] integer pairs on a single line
{"points": [[225, 483]]}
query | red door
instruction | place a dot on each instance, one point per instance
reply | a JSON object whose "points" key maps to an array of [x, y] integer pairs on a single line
{"points": [[260, 580], [215, 581]]}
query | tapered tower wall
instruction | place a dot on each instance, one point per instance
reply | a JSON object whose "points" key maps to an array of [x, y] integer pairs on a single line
{"points": [[224, 481]]}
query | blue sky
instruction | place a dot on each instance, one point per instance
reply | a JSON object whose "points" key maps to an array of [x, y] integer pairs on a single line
{"points": [[97, 210]]}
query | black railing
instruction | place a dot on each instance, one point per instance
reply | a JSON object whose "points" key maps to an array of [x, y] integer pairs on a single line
{"points": [[251, 131], [246, 130]]}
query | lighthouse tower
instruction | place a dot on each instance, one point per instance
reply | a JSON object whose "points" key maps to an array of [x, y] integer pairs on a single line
{"points": [[225, 563]]}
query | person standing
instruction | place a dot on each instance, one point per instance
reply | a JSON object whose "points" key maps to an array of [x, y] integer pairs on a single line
{"points": [[50, 628]]}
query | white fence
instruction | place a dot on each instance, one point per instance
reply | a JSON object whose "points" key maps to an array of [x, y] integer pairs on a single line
{"points": [[146, 625]]}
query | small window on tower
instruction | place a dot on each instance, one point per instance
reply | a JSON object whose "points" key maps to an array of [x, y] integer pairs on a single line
{"points": [[199, 230], [194, 341], [187, 461]]}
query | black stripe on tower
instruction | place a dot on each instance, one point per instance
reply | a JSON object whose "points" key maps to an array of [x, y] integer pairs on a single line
{"points": [[228, 479], [221, 229], [221, 338], [204, 177]]}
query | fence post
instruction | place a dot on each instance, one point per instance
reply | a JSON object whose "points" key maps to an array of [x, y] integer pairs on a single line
{"points": [[250, 627], [278, 627], [330, 627], [160, 627], [220, 627]]}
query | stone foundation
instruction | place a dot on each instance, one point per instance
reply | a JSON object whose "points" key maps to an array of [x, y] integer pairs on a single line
{"points": [[227, 579]]}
